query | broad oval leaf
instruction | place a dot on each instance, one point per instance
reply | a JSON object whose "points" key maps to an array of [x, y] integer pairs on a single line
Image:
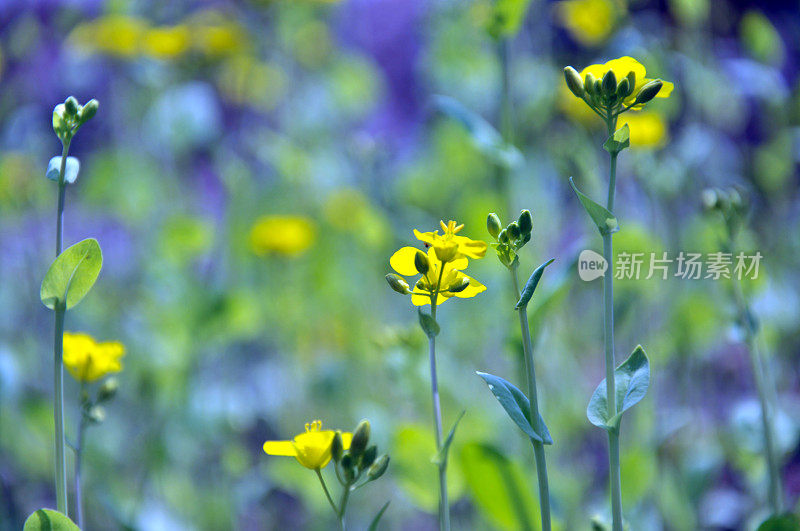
{"points": [[72, 274], [484, 137], [517, 406], [428, 324], [70, 170], [49, 520], [631, 380], [606, 221], [530, 285]]}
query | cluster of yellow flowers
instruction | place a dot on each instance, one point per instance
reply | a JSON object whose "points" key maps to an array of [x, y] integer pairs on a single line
{"points": [[88, 360]]}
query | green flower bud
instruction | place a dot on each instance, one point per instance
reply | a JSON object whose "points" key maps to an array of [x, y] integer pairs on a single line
{"points": [[71, 106], [513, 231], [348, 464], [360, 439], [503, 236], [574, 81], [631, 77], [96, 414], [421, 262], [60, 125], [609, 84], [598, 87], [337, 447], [458, 286], [649, 91], [369, 457], [398, 283], [623, 88], [493, 225], [422, 284], [378, 467], [89, 110], [525, 221], [589, 84], [108, 390]]}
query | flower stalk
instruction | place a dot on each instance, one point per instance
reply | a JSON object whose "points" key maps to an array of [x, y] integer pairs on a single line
{"points": [[444, 505]]}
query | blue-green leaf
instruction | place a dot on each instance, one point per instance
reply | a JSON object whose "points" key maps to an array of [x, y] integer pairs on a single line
{"points": [[71, 169], [517, 406], [428, 324], [49, 520], [373, 526], [484, 137], [606, 221], [631, 380], [530, 286], [72, 274], [441, 458]]}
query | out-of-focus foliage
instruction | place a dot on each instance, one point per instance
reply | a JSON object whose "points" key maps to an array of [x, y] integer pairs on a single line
{"points": [[254, 165]]}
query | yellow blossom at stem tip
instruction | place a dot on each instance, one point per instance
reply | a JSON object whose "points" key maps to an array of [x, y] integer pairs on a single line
{"points": [[449, 246], [88, 360], [312, 448], [621, 68], [454, 283]]}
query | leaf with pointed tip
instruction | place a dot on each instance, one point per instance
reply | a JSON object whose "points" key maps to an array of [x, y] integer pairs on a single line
{"points": [[484, 137], [441, 458], [428, 324], [72, 274], [373, 526], [517, 406], [619, 140], [606, 221], [71, 169], [530, 285], [631, 380], [49, 520]]}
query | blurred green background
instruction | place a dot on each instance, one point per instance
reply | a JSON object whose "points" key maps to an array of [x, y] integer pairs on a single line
{"points": [[325, 117]]}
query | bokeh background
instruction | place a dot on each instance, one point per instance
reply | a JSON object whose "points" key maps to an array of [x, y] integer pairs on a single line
{"points": [[328, 117]]}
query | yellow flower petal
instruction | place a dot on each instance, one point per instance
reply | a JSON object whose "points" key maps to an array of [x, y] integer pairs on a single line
{"points": [[285, 448], [403, 261]]}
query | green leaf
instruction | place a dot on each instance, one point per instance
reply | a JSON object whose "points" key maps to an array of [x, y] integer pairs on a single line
{"points": [[507, 17], [517, 406], [501, 489], [530, 286], [373, 526], [606, 221], [49, 520], [781, 522], [71, 169], [631, 380], [428, 324], [72, 274], [441, 458], [619, 140], [484, 137]]}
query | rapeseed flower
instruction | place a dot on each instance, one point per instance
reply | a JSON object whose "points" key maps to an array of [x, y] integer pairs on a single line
{"points": [[88, 360], [312, 448], [287, 235], [590, 22], [449, 246], [622, 68]]}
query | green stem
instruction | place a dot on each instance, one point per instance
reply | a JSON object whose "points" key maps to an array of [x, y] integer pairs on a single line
{"points": [[444, 505], [327, 493], [538, 447], [775, 491], [58, 409], [615, 486], [78, 461], [62, 187], [343, 505]]}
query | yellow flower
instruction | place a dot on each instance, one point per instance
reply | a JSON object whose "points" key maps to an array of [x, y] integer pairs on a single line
{"points": [[286, 235], [647, 128], [87, 360], [166, 42], [116, 35], [452, 279], [449, 246], [621, 68], [312, 449], [590, 22]]}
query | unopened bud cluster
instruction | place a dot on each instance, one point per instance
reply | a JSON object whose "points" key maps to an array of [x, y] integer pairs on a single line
{"points": [[92, 408], [730, 203], [511, 238], [609, 93], [70, 115], [360, 460]]}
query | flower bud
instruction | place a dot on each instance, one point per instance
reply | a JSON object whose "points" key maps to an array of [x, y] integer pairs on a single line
{"points": [[89, 110], [513, 231], [609, 83], [71, 106], [503, 236], [421, 262], [60, 125], [493, 225], [631, 77], [108, 390], [623, 89], [446, 252], [525, 221], [574, 81], [360, 439], [97, 414], [649, 91], [369, 457], [589, 84], [398, 283], [422, 284], [347, 467], [378, 467], [337, 447], [459, 285]]}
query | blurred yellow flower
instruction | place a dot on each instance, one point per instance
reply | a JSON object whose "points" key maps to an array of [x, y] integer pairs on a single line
{"points": [[312, 449], [115, 35], [216, 35], [442, 279], [245, 80], [449, 246], [589, 22], [87, 360], [166, 42], [286, 235], [621, 68], [647, 129]]}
